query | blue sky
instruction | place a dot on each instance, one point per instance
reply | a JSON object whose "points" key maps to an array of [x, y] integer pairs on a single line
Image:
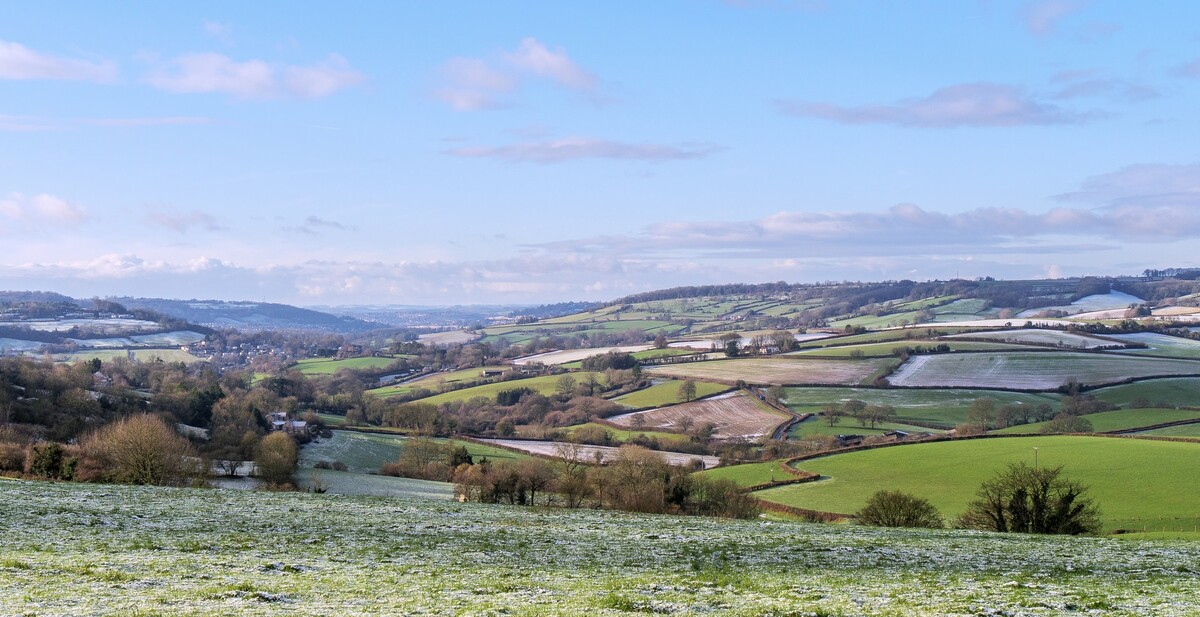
{"points": [[448, 152]]}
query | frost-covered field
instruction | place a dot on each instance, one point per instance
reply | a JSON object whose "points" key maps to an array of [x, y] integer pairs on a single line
{"points": [[70, 549], [1031, 370], [776, 370], [1040, 337], [736, 416], [554, 358], [606, 453], [1087, 304]]}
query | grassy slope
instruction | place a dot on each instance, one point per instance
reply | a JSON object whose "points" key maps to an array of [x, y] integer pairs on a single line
{"points": [[1119, 420], [942, 407], [1173, 391], [665, 393], [115, 550], [887, 349], [325, 366], [431, 382], [1129, 478], [628, 435], [545, 384]]}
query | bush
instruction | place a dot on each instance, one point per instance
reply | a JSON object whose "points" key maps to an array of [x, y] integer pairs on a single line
{"points": [[1025, 499], [141, 449], [899, 509], [275, 459], [12, 457]]}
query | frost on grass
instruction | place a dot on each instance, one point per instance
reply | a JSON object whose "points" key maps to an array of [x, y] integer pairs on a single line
{"points": [[69, 549]]}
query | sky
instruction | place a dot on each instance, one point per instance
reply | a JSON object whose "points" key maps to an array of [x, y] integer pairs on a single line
{"points": [[527, 152]]}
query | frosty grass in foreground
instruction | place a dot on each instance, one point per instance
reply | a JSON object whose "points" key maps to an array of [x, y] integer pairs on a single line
{"points": [[89, 549]]}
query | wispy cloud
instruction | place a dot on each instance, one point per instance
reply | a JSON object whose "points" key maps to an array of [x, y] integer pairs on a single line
{"points": [[26, 124], [978, 104], [210, 72], [1041, 17], [19, 62], [41, 208], [223, 32], [182, 222], [314, 225], [470, 84], [151, 121], [562, 150], [1188, 70], [1090, 84], [1145, 186]]}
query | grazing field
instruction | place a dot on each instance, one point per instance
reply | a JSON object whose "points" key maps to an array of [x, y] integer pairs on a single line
{"points": [[161, 339], [141, 355], [942, 408], [545, 384], [434, 381], [891, 348], [1087, 304], [1031, 370], [18, 345], [777, 370], [1172, 392], [666, 392], [590, 453], [565, 356], [1134, 481], [447, 338], [1185, 430], [749, 474], [327, 366], [365, 453], [82, 549], [737, 416], [367, 485], [1119, 420], [816, 426], [1162, 344], [1033, 336], [622, 436]]}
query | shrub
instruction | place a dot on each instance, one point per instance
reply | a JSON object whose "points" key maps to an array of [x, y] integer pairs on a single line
{"points": [[1032, 500], [899, 509], [141, 449], [275, 459]]}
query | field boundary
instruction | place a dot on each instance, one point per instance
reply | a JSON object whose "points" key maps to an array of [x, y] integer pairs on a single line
{"points": [[808, 515]]}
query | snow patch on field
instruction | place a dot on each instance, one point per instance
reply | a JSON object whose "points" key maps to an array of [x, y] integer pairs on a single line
{"points": [[1039, 337], [735, 415], [589, 453], [566, 356], [1031, 370], [1087, 304]]}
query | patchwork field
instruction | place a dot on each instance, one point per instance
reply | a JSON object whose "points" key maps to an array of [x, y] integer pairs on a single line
{"points": [[1095, 302], [1031, 370], [666, 392], [434, 381], [1171, 392], [891, 347], [327, 366], [1033, 336], [818, 427], [737, 416], [545, 384], [1119, 420], [565, 356], [591, 453], [942, 408], [1162, 344], [1134, 481], [777, 370], [141, 355], [80, 549]]}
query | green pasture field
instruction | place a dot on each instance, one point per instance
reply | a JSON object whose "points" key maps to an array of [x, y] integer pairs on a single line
{"points": [[87, 549], [943, 407], [817, 426], [1119, 420], [430, 382], [326, 366], [1171, 392], [1185, 430], [141, 355], [749, 474], [1135, 482], [622, 436], [332, 420], [778, 370], [962, 307], [666, 393], [876, 321], [545, 384], [1032, 370], [887, 349]]}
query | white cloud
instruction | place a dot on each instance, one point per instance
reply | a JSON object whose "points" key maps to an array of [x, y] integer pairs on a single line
{"points": [[221, 31], [211, 72], [41, 208], [19, 62], [561, 150], [314, 225], [978, 104], [471, 84], [1042, 16], [182, 222], [25, 124]]}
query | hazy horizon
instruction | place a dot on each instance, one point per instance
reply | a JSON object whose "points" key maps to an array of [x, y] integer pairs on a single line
{"points": [[403, 154]]}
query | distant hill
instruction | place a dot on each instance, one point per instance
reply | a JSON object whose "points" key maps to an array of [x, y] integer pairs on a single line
{"points": [[249, 315]]}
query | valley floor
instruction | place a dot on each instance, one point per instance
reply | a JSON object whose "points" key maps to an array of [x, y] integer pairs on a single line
{"points": [[76, 549]]}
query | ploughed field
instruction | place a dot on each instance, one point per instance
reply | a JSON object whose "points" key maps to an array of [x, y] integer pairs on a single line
{"points": [[777, 370], [79, 549], [736, 416], [1032, 370]]}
